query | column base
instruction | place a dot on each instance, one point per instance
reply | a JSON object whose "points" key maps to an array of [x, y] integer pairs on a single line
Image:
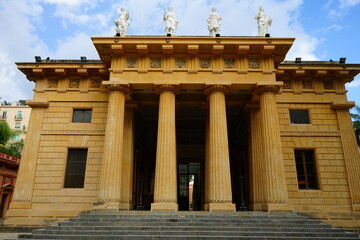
{"points": [[125, 206], [20, 205], [206, 207], [107, 206], [164, 207], [278, 208], [222, 207], [257, 207], [356, 207]]}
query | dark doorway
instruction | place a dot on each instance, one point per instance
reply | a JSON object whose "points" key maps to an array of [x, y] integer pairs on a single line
{"points": [[189, 186]]}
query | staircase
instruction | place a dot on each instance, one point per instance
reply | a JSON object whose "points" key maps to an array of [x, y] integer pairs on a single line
{"points": [[189, 225]]}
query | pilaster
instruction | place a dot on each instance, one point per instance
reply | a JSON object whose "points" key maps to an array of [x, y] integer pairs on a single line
{"points": [[219, 180], [351, 151], [22, 198], [165, 189], [110, 178], [276, 195]]}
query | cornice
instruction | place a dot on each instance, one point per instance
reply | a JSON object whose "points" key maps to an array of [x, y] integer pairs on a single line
{"points": [[342, 105], [37, 103]]}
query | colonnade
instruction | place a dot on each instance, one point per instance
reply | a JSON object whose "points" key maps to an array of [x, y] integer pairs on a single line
{"points": [[218, 192]]}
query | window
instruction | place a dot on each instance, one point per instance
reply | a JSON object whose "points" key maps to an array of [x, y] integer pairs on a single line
{"points": [[299, 117], [4, 114], [17, 125], [19, 115], [306, 169], [15, 137], [82, 115], [75, 169]]}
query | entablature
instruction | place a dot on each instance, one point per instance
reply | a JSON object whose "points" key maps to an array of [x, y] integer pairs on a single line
{"points": [[63, 68], [150, 46]]}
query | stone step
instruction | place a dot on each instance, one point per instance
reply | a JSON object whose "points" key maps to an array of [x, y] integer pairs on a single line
{"points": [[192, 228], [264, 224], [172, 237], [238, 232]]}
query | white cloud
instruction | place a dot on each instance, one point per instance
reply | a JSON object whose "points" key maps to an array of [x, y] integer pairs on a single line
{"points": [[348, 3], [354, 83]]}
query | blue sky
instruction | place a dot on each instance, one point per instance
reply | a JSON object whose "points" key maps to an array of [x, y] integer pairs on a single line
{"points": [[61, 29]]}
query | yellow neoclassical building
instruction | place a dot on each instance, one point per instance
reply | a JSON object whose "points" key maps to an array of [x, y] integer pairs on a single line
{"points": [[224, 115]]}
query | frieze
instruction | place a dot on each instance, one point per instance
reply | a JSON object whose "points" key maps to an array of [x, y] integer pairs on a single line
{"points": [[180, 63], [287, 84], [310, 133], [307, 84], [155, 62], [74, 83], [254, 63], [328, 85], [131, 62], [229, 63], [52, 83], [73, 132], [94, 83], [204, 62]]}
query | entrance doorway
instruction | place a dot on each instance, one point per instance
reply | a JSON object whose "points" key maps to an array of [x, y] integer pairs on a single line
{"points": [[189, 186]]}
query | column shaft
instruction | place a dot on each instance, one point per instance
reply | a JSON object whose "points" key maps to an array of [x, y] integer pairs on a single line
{"points": [[207, 162], [258, 170], [351, 155], [23, 192], [276, 189], [110, 179], [165, 190], [220, 195], [127, 163]]}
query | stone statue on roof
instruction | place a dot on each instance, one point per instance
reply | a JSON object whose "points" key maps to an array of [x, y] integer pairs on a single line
{"points": [[214, 22], [122, 22], [170, 21], [263, 22]]}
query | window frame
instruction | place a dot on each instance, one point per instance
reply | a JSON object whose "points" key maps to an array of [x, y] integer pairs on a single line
{"points": [[65, 186], [17, 125], [83, 110], [306, 174], [301, 109]]}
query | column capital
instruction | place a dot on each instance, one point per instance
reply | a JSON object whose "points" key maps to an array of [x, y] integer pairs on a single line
{"points": [[260, 88], [167, 87], [117, 86], [216, 88], [342, 105]]}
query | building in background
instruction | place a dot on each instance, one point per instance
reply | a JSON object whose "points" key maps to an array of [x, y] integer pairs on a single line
{"points": [[17, 115], [9, 166], [254, 131]]}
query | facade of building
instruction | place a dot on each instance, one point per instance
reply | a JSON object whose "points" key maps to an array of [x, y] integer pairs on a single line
{"points": [[8, 172], [127, 132], [17, 115]]}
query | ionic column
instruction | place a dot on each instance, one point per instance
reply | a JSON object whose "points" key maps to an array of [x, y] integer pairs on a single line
{"points": [[165, 189], [126, 188], [219, 195], [23, 192], [110, 178], [256, 164], [276, 198], [351, 151]]}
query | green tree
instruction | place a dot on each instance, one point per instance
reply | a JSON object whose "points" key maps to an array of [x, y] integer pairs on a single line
{"points": [[356, 123], [6, 145]]}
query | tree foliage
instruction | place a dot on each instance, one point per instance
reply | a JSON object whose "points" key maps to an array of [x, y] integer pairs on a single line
{"points": [[7, 146], [356, 123]]}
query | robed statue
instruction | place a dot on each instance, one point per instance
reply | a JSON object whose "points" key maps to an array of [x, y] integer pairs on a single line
{"points": [[263, 22], [214, 22], [170, 21], [122, 22]]}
